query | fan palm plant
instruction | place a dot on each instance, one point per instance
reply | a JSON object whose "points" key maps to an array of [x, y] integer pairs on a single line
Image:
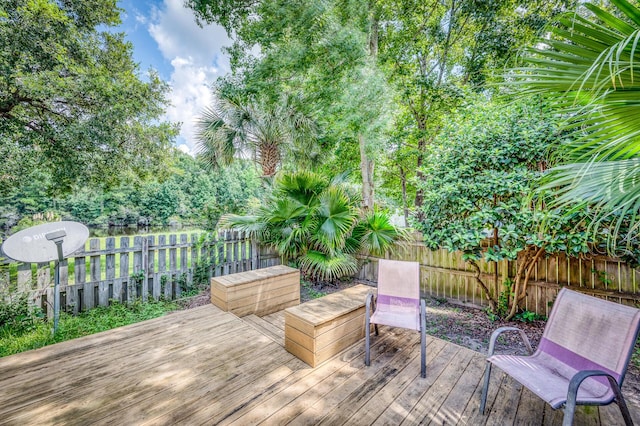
{"points": [[316, 223], [233, 126], [591, 65]]}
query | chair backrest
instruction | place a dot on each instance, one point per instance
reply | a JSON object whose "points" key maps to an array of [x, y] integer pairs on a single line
{"points": [[588, 333], [398, 285]]}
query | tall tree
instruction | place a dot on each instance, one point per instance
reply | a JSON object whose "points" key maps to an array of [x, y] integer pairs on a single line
{"points": [[433, 50], [428, 50], [235, 126], [323, 52], [71, 98]]}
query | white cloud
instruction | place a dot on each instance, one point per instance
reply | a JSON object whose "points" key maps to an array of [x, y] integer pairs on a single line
{"points": [[196, 57], [141, 19], [184, 148]]}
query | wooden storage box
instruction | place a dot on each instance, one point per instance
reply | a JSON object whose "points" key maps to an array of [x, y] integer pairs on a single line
{"points": [[259, 292], [320, 328]]}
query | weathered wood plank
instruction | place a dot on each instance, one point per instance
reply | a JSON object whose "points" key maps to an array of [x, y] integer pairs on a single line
{"points": [[452, 409], [322, 380], [504, 409], [399, 348], [273, 332], [101, 371], [369, 412], [430, 406], [204, 366]]}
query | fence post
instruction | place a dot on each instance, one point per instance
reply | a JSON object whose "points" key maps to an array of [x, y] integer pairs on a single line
{"points": [[173, 262], [194, 259], [138, 270], [255, 254], [110, 269], [120, 288]]}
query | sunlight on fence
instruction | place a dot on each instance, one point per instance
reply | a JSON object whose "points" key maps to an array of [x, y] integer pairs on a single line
{"points": [[446, 275], [146, 267]]}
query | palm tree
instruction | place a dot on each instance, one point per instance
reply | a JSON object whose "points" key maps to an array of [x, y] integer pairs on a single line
{"points": [[316, 223], [592, 68], [233, 126]]}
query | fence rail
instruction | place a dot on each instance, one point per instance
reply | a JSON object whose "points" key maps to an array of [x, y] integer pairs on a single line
{"points": [[146, 267], [447, 275]]}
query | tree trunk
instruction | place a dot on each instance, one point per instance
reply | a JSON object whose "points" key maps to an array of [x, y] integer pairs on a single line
{"points": [[492, 302], [520, 287], [366, 169], [373, 35], [419, 191], [405, 206], [269, 158]]}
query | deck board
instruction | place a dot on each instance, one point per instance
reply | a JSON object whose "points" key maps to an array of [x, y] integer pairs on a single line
{"points": [[205, 366]]}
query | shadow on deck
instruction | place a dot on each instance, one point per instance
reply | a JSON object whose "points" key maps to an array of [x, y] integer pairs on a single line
{"points": [[205, 366]]}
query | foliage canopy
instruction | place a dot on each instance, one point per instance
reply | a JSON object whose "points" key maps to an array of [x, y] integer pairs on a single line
{"points": [[480, 174], [72, 102]]}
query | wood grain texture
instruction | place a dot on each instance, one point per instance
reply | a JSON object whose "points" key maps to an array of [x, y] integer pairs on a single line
{"points": [[206, 366], [319, 329], [258, 292]]}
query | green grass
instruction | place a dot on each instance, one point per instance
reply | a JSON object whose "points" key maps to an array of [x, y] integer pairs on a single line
{"points": [[38, 333]]}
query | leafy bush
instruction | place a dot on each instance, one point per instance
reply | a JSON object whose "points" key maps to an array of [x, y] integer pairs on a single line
{"points": [[479, 176], [316, 223], [17, 313]]}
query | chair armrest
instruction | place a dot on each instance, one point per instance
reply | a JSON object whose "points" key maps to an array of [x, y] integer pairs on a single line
{"points": [[370, 302], [581, 376], [572, 395], [499, 331]]}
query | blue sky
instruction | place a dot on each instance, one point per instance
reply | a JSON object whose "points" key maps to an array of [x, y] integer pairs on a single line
{"points": [[166, 38]]}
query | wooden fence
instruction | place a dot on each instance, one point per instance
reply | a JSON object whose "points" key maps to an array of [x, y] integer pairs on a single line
{"points": [[446, 275], [147, 267]]}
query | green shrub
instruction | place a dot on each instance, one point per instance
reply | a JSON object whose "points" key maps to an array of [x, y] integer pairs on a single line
{"points": [[16, 312]]}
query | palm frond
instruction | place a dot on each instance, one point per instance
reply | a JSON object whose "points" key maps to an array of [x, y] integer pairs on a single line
{"points": [[336, 217], [591, 69], [253, 225], [322, 267], [377, 234], [612, 187]]}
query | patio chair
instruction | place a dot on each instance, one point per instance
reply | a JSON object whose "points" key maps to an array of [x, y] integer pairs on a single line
{"points": [[581, 359], [398, 304]]}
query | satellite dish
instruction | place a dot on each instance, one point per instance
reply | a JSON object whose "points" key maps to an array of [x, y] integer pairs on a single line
{"points": [[36, 244]]}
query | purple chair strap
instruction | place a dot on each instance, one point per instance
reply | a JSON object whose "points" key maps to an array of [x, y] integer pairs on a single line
{"points": [[575, 360], [385, 299]]}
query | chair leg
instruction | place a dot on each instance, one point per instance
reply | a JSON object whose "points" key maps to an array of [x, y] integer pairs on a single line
{"points": [[485, 388], [367, 332], [625, 412], [572, 396], [626, 415], [423, 339], [569, 411]]}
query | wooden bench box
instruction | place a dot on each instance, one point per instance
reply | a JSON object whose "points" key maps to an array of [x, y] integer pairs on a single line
{"points": [[320, 328], [259, 292]]}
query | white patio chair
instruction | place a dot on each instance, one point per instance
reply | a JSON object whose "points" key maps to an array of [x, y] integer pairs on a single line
{"points": [[582, 357], [398, 304]]}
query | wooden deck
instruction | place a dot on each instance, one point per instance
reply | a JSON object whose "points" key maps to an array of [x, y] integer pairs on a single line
{"points": [[205, 366]]}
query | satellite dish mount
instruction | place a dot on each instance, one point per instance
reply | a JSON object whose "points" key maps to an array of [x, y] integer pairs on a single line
{"points": [[57, 237], [33, 245]]}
